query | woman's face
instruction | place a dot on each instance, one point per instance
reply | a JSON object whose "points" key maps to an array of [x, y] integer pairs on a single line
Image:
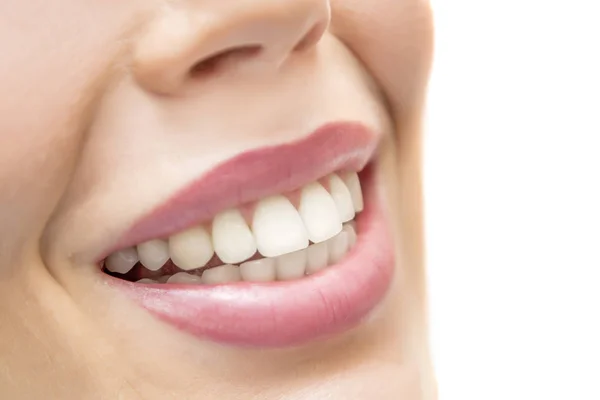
{"points": [[143, 139]]}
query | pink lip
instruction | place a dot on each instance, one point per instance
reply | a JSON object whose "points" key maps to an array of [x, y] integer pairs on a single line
{"points": [[256, 174], [279, 313]]}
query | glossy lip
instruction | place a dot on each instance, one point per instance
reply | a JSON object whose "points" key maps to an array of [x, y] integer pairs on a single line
{"points": [[290, 313], [256, 174]]}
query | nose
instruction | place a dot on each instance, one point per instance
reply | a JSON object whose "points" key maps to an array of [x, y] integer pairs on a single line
{"points": [[194, 39]]}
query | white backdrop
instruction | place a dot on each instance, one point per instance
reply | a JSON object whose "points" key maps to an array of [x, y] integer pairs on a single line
{"points": [[512, 178]]}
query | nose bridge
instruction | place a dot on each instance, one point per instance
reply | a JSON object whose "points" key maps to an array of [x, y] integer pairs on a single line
{"points": [[196, 36]]}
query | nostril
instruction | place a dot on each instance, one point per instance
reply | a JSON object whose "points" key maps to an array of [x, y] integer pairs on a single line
{"points": [[215, 62]]}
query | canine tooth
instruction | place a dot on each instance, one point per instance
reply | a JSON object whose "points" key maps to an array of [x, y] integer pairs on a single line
{"points": [[317, 257], [183, 277], [262, 270], [353, 183], [153, 254], [291, 266], [232, 238], [122, 261], [223, 274], [338, 247], [191, 249], [349, 229], [319, 213], [342, 198], [277, 227]]}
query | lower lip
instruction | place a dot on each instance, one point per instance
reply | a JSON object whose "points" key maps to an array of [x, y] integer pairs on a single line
{"points": [[283, 314]]}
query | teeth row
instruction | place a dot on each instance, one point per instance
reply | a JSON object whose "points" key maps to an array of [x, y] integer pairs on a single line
{"points": [[278, 228], [285, 267]]}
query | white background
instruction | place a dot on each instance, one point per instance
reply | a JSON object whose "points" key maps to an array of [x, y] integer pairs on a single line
{"points": [[512, 176]]}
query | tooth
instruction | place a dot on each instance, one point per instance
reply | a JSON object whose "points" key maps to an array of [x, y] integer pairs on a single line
{"points": [[342, 198], [319, 213], [191, 249], [163, 278], [352, 224], [232, 238], [317, 257], [353, 183], [223, 274], [349, 229], [146, 280], [277, 227], [338, 247], [153, 254], [122, 261], [262, 270], [182, 277], [291, 265]]}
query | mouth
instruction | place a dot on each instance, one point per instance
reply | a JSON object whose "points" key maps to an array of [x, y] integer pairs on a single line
{"points": [[277, 247]]}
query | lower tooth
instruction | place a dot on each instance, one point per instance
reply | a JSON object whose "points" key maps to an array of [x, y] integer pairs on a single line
{"points": [[338, 247], [291, 266], [182, 277], [146, 280], [351, 235], [262, 270], [223, 274], [317, 257], [351, 224]]}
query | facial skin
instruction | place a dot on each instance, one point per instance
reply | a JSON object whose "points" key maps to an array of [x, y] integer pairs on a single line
{"points": [[109, 107]]}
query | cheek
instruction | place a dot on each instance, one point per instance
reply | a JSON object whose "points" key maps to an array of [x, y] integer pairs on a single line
{"points": [[394, 38], [45, 76]]}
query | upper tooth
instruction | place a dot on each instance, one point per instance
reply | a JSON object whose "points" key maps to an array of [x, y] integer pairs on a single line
{"points": [[319, 213], [277, 227], [262, 270], [291, 266], [232, 237], [338, 246], [342, 197], [353, 183], [182, 277], [222, 274], [153, 254], [191, 249], [122, 261]]}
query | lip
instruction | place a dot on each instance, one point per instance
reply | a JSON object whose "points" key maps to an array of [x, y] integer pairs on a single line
{"points": [[276, 314], [256, 174]]}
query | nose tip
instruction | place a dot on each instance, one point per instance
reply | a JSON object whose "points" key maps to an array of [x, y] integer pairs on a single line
{"points": [[192, 41]]}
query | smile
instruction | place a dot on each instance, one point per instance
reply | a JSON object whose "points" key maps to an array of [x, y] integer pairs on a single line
{"points": [[276, 247]]}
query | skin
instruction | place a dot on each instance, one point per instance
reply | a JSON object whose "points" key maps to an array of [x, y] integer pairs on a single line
{"points": [[100, 119]]}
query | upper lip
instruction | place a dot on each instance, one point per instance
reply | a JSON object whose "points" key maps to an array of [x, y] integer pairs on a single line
{"points": [[278, 313], [255, 174]]}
